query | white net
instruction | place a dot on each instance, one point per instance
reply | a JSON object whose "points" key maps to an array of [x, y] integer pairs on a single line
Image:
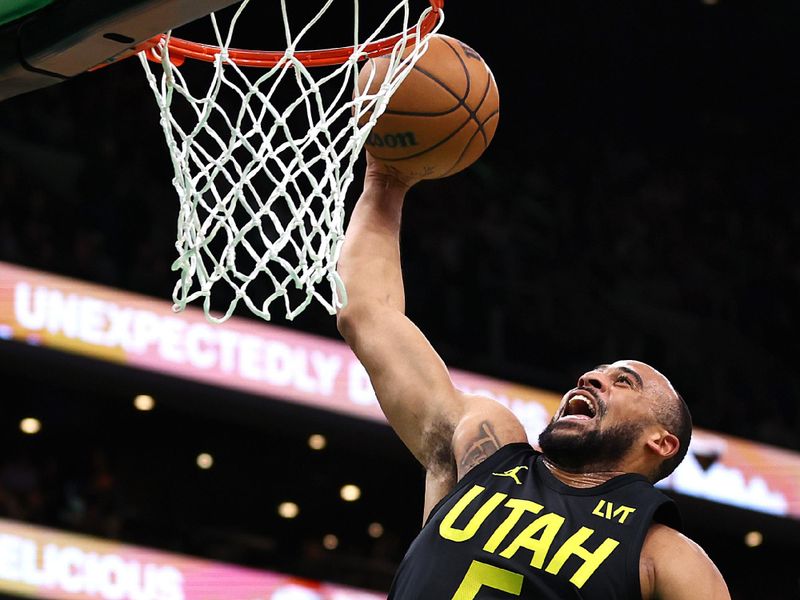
{"points": [[263, 159]]}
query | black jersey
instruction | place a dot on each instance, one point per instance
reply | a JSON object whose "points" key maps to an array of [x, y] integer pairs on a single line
{"points": [[510, 529]]}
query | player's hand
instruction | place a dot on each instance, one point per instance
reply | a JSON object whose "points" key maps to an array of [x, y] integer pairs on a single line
{"points": [[381, 173]]}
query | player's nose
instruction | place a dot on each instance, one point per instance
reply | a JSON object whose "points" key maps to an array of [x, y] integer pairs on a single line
{"points": [[594, 379]]}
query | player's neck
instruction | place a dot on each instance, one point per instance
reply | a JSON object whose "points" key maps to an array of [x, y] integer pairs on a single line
{"points": [[580, 480]]}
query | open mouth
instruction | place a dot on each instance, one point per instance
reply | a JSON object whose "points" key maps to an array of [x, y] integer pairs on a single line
{"points": [[579, 407]]}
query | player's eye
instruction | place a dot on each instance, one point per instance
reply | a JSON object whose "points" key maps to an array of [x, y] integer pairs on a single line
{"points": [[624, 379]]}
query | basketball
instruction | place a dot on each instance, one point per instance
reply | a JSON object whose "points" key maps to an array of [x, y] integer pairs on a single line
{"points": [[441, 118]]}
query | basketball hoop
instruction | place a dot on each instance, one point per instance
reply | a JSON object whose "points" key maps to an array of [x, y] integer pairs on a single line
{"points": [[262, 175], [180, 49]]}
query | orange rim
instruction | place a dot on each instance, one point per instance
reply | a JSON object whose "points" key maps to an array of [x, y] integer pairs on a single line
{"points": [[180, 49]]}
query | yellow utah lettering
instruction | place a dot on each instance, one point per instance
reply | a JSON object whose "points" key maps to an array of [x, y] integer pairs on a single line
{"points": [[446, 527], [591, 560], [550, 524], [518, 508]]}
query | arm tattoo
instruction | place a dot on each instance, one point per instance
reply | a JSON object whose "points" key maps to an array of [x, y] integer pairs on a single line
{"points": [[484, 445]]}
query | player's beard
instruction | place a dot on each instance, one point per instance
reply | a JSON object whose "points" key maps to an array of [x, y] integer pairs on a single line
{"points": [[596, 450]]}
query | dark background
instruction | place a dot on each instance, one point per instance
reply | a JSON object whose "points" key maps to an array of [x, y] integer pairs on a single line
{"points": [[638, 201]]}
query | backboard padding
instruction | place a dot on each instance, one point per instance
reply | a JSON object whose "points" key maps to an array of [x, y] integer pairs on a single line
{"points": [[67, 38]]}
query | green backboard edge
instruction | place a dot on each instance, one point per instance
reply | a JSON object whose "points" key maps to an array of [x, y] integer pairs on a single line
{"points": [[44, 42], [11, 10]]}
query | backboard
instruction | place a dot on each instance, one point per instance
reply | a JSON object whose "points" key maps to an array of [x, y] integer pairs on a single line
{"points": [[44, 42]]}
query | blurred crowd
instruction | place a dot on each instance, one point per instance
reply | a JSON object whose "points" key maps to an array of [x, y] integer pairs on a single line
{"points": [[45, 491], [100, 468], [538, 263], [78, 196], [540, 272]]}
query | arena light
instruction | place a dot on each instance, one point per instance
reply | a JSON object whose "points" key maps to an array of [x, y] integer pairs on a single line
{"points": [[144, 402], [330, 542], [288, 510], [205, 460], [375, 530], [30, 425], [753, 539], [350, 492], [317, 441]]}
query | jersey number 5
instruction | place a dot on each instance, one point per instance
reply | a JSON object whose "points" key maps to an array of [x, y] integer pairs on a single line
{"points": [[480, 574]]}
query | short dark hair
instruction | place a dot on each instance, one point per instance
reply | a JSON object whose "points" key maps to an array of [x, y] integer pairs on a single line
{"points": [[674, 415]]}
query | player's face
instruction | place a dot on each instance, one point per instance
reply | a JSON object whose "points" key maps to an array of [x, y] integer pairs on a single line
{"points": [[600, 420]]}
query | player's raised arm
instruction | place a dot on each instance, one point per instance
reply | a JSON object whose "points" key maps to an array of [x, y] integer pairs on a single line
{"points": [[438, 424], [410, 380]]}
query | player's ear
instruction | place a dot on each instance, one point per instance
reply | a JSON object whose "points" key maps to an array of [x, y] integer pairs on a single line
{"points": [[663, 443]]}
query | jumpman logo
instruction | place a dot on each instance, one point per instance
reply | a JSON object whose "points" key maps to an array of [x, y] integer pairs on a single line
{"points": [[512, 473]]}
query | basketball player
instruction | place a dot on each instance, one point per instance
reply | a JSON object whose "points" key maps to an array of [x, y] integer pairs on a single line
{"points": [[502, 521]]}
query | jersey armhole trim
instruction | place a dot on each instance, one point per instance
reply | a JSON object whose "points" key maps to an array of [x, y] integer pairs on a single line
{"points": [[663, 513], [480, 469]]}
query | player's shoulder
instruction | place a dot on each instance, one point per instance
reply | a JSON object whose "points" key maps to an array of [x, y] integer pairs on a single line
{"points": [[478, 404], [664, 540], [485, 426], [674, 567]]}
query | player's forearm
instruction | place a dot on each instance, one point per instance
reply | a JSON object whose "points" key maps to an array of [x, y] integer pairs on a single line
{"points": [[370, 261]]}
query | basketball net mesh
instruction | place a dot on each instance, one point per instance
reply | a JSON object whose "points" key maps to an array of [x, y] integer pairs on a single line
{"points": [[262, 179]]}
